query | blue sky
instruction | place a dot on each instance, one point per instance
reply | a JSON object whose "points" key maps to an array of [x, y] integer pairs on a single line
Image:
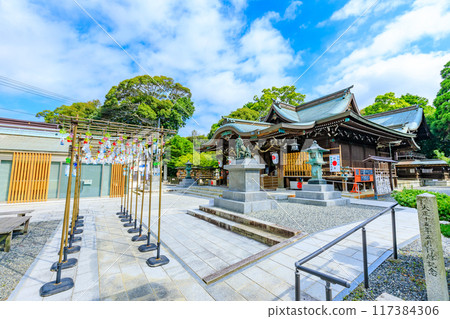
{"points": [[224, 51]]}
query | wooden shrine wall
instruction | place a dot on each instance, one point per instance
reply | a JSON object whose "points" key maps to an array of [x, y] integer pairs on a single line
{"points": [[29, 177]]}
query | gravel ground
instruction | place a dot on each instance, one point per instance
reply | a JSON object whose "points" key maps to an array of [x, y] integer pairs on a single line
{"points": [[403, 278], [312, 219], [24, 249]]}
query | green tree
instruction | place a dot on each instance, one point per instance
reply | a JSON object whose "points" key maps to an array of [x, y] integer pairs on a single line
{"points": [[428, 110], [385, 102], [285, 94], [144, 99], [441, 156], [259, 107], [179, 147], [207, 159], [242, 113], [440, 125], [81, 109]]}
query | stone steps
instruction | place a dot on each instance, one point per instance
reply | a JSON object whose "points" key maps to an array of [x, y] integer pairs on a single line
{"points": [[200, 193], [262, 231], [204, 191], [250, 221], [241, 229]]}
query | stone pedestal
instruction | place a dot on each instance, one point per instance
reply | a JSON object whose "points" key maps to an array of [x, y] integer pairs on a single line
{"points": [[187, 182], [244, 195], [319, 195]]}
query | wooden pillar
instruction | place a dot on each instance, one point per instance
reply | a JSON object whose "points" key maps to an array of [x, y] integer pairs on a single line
{"points": [[390, 176], [280, 169], [374, 180]]}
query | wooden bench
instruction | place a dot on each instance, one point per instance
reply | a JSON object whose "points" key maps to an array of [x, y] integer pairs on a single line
{"points": [[9, 224], [20, 213]]}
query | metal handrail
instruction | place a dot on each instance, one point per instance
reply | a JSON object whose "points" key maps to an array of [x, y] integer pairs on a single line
{"points": [[331, 279]]}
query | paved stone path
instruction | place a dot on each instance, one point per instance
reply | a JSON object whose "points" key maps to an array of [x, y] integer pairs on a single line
{"points": [[111, 268]]}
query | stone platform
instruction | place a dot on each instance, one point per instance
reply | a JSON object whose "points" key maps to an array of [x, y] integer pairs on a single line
{"points": [[244, 195], [187, 182], [319, 195]]}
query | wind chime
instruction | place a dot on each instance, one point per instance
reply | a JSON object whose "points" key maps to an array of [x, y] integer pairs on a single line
{"points": [[110, 150]]}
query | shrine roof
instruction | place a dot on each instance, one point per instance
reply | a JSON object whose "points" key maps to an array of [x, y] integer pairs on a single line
{"points": [[324, 107], [422, 162], [243, 128], [407, 119]]}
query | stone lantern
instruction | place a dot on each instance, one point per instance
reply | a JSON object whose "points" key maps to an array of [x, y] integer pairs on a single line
{"points": [[316, 160], [317, 191], [188, 180], [188, 169]]}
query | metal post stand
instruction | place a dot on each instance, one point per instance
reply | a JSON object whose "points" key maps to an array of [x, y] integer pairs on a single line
{"points": [[121, 212], [130, 197], [141, 237], [124, 216], [70, 249], [62, 284], [297, 285], [159, 260], [365, 265], [149, 246], [328, 292], [135, 229], [394, 233]]}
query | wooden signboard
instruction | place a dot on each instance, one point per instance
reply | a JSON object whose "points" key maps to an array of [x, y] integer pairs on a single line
{"points": [[363, 175]]}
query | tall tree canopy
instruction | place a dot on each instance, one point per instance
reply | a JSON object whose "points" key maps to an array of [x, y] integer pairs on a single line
{"points": [[82, 109], [179, 146], [285, 94], [385, 102], [389, 102], [440, 125], [243, 113], [259, 107], [143, 99]]}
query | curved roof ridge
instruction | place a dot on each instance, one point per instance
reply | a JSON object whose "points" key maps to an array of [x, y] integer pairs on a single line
{"points": [[400, 110]]}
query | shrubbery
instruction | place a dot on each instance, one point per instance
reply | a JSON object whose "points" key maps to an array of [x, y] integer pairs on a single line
{"points": [[407, 197]]}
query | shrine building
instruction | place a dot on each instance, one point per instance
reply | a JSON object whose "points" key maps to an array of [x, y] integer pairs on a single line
{"points": [[335, 122]]}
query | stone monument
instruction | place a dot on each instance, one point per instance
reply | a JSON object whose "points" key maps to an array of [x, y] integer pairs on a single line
{"points": [[432, 253], [317, 191], [188, 180], [243, 194]]}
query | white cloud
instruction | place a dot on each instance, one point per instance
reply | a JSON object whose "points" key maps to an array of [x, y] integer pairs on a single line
{"points": [[395, 60], [406, 73], [292, 10], [425, 19], [202, 44], [355, 8]]}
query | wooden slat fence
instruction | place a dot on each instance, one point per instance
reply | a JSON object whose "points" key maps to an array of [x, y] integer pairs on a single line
{"points": [[29, 180], [294, 164], [117, 180]]}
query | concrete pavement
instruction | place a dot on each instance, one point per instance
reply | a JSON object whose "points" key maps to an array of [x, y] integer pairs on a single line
{"points": [[111, 268]]}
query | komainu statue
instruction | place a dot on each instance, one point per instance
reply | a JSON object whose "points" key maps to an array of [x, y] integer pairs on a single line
{"points": [[241, 150]]}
